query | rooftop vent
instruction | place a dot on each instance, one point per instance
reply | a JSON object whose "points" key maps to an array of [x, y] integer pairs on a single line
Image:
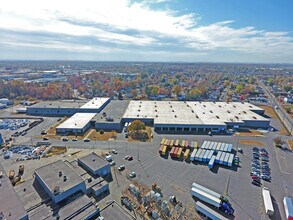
{"points": [[196, 116], [170, 106], [137, 115], [187, 105], [244, 112], [203, 113], [64, 178], [211, 111], [56, 190], [204, 105], [254, 117], [236, 117], [89, 179], [228, 111], [234, 106], [250, 106], [220, 106], [175, 116], [155, 106], [156, 116], [192, 111], [156, 110], [93, 159], [138, 110], [173, 110], [60, 173], [217, 117]]}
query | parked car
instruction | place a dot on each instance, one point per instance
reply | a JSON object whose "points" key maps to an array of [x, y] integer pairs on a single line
{"points": [[255, 177], [129, 158], [64, 139], [132, 175], [255, 149], [43, 132], [255, 174], [265, 159], [122, 167], [256, 183], [86, 140], [126, 135], [255, 162], [114, 151], [264, 163], [74, 139], [112, 163]]}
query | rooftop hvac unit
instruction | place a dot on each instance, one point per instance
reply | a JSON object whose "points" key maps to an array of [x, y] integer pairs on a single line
{"points": [[56, 190]]}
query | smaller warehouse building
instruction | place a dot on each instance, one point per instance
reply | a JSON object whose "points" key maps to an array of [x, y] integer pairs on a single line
{"points": [[78, 124], [67, 107], [59, 180], [94, 164]]}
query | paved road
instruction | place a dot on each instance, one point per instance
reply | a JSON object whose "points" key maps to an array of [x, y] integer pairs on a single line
{"points": [[286, 119]]}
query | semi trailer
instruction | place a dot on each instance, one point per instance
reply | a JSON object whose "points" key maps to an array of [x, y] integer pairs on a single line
{"points": [[208, 212]]}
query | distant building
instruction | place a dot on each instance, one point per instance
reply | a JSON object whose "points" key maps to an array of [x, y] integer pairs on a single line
{"points": [[6, 101]]}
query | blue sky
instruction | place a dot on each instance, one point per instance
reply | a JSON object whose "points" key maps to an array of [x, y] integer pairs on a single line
{"points": [[148, 30]]}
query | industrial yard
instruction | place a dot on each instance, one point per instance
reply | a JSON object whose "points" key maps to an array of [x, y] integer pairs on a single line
{"points": [[156, 178]]}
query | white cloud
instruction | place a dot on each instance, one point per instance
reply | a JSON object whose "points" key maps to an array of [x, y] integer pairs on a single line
{"points": [[127, 23]]}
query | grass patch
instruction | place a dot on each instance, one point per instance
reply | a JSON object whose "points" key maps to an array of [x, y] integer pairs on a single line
{"points": [[251, 142], [290, 144]]}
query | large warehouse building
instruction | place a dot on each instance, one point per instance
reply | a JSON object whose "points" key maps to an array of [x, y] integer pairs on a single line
{"points": [[175, 116], [164, 116]]}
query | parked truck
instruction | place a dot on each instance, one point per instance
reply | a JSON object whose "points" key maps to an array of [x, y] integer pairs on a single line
{"points": [[208, 212], [267, 201], [288, 205], [213, 198]]}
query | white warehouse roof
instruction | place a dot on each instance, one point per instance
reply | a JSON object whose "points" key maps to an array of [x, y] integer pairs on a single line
{"points": [[95, 103], [77, 121], [193, 113]]}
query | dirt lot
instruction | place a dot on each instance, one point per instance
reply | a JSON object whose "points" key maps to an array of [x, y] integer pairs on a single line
{"points": [[290, 144], [95, 135], [251, 142], [247, 132]]}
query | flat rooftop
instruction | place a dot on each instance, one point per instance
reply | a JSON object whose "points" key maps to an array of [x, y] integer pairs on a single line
{"points": [[77, 121], [78, 209], [193, 113], [95, 103], [93, 161], [50, 176], [60, 104], [10, 203], [116, 212], [115, 109]]}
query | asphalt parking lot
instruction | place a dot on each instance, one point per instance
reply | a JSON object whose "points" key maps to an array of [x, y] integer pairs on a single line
{"points": [[175, 177]]}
